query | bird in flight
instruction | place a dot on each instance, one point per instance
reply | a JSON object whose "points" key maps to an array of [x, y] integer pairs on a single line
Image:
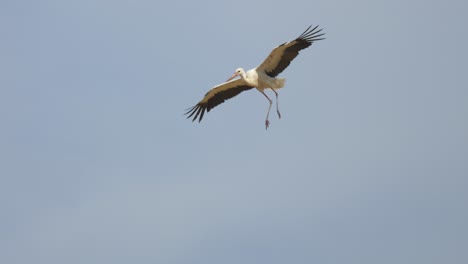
{"points": [[262, 77]]}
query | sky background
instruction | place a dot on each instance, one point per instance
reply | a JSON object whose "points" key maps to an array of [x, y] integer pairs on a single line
{"points": [[369, 163]]}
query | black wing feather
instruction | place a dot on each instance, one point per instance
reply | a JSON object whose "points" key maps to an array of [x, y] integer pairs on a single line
{"points": [[218, 98], [303, 41]]}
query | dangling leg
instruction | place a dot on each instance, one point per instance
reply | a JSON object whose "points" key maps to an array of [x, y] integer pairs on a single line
{"points": [[277, 109], [267, 123]]}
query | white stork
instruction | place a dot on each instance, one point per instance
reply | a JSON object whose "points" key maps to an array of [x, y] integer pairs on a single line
{"points": [[262, 77]]}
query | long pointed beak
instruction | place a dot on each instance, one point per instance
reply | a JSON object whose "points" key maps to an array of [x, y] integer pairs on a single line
{"points": [[232, 77]]}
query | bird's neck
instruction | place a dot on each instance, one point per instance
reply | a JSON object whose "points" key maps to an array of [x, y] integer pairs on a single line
{"points": [[243, 75]]}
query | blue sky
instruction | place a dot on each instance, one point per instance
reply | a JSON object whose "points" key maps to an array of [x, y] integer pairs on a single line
{"points": [[368, 164]]}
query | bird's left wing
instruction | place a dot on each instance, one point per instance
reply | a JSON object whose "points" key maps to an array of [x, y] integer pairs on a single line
{"points": [[281, 56], [217, 96]]}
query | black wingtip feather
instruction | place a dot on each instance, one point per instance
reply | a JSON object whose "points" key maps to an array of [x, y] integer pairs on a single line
{"points": [[311, 35], [188, 110], [305, 31], [199, 109], [201, 115], [191, 111]]}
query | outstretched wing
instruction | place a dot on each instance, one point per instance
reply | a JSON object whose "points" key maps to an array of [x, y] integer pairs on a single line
{"points": [[280, 57], [217, 96]]}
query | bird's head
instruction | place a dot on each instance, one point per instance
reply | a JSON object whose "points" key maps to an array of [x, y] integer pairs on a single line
{"points": [[238, 72]]}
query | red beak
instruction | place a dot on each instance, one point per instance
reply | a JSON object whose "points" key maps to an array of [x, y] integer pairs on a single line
{"points": [[232, 77]]}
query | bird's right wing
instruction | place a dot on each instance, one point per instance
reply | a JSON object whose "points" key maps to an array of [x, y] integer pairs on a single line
{"points": [[217, 96]]}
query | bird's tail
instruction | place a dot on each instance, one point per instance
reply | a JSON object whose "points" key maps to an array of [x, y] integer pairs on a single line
{"points": [[279, 83]]}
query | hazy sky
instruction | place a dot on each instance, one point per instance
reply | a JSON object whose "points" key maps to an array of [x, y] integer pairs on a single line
{"points": [[369, 163]]}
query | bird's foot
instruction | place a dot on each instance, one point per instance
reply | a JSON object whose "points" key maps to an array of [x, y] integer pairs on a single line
{"points": [[279, 114], [267, 124]]}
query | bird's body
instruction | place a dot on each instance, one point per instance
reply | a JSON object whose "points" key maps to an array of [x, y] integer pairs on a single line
{"points": [[262, 77], [260, 80]]}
